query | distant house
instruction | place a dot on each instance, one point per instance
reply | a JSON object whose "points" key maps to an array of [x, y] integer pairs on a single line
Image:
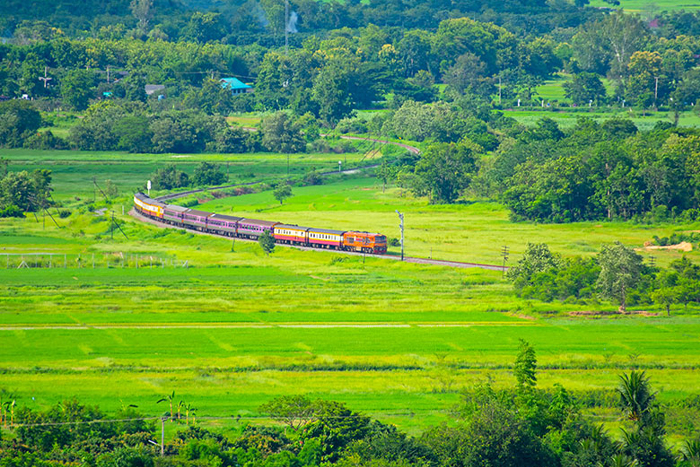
{"points": [[235, 85], [152, 88]]}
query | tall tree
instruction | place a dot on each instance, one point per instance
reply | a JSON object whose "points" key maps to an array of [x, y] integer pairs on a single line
{"points": [[620, 270], [77, 87], [525, 369], [446, 169], [143, 12]]}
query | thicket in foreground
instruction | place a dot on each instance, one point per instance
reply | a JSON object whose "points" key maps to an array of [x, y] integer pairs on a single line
{"points": [[512, 427]]}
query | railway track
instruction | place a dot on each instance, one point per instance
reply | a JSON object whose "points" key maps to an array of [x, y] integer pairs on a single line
{"points": [[408, 259]]}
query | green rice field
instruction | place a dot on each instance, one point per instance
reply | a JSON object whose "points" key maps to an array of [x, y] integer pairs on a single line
{"points": [[228, 328]]}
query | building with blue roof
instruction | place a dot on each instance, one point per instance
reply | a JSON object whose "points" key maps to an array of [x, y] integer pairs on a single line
{"points": [[235, 85]]}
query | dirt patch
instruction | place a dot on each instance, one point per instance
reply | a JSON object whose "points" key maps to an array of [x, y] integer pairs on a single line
{"points": [[682, 246], [610, 313]]}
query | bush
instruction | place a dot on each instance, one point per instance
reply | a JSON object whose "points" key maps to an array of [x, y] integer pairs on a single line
{"points": [[11, 211], [45, 141], [352, 125], [63, 213], [313, 178]]}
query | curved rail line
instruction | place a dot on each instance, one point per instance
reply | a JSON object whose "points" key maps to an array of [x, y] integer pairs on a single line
{"points": [[408, 259]]}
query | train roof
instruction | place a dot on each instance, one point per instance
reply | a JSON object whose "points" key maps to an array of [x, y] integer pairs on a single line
{"points": [[334, 232], [147, 200], [258, 222], [196, 212], [175, 208], [292, 226], [225, 217], [355, 232]]}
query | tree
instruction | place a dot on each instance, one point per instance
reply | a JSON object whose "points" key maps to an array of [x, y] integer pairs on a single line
{"points": [[143, 12], [207, 173], [525, 369], [537, 258], [584, 88], [204, 27], [331, 92], [636, 396], [175, 133], [468, 75], [77, 87], [668, 290], [133, 133], [620, 270], [18, 121], [295, 411], [169, 177], [170, 398], [282, 192], [282, 134], [267, 242], [446, 169], [19, 189], [690, 453]]}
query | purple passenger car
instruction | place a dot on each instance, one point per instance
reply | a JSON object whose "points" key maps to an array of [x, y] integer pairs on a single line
{"points": [[253, 228], [223, 225], [195, 219], [173, 214]]}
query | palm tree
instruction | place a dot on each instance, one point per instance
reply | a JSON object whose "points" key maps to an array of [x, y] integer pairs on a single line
{"points": [[636, 397], [9, 407], [170, 399], [180, 405], [5, 396], [690, 453], [620, 460]]}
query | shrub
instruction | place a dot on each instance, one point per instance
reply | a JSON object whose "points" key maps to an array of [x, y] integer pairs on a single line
{"points": [[11, 211]]}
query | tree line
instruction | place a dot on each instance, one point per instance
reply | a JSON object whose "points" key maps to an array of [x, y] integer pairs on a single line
{"points": [[521, 425], [335, 70], [617, 273]]}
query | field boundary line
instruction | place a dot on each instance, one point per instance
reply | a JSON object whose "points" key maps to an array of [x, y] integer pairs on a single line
{"points": [[322, 325]]}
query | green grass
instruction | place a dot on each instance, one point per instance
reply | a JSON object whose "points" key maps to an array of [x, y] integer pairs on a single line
{"points": [[74, 171], [568, 119], [237, 328], [640, 6], [472, 232], [553, 89]]}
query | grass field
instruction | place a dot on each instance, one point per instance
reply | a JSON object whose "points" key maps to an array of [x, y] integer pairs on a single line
{"points": [[236, 328], [568, 119], [640, 6], [73, 171]]}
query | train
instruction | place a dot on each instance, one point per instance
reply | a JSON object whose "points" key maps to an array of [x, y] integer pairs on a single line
{"points": [[240, 227]]}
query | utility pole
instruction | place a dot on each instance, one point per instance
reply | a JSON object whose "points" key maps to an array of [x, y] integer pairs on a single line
{"points": [[401, 225], [162, 437], [45, 78], [286, 28], [656, 88], [504, 253], [107, 74], [499, 89], [652, 261]]}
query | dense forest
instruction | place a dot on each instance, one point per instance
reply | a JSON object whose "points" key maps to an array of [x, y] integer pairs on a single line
{"points": [[436, 73]]}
